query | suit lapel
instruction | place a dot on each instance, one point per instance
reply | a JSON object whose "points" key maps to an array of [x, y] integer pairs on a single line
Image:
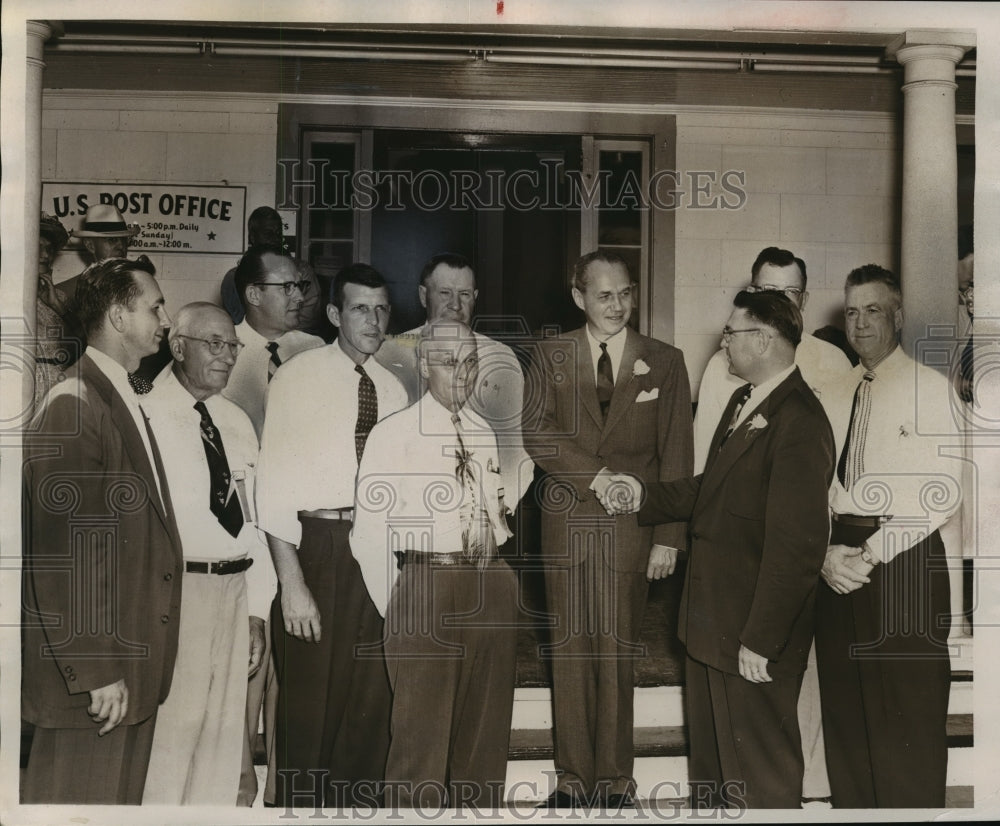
{"points": [[586, 383], [626, 388], [721, 460]]}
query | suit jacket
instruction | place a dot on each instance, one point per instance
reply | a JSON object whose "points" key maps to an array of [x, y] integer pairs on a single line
{"points": [[648, 432], [759, 525], [102, 558]]}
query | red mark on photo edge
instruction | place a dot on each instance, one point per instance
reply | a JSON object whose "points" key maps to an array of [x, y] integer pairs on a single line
{"points": [[499, 6]]}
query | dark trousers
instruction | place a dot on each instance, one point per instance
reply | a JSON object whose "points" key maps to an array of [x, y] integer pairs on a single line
{"points": [[332, 732], [598, 614], [74, 765], [885, 676], [451, 649], [745, 745]]}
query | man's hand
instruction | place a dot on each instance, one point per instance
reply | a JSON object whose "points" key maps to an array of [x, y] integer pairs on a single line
{"points": [[662, 561], [300, 612], [257, 645], [753, 667], [844, 570], [620, 493], [110, 704]]}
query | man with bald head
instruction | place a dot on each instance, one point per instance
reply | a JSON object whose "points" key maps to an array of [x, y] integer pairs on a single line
{"points": [[209, 455], [451, 619]]}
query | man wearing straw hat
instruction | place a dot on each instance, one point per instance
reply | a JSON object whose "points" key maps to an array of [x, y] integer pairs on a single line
{"points": [[103, 235]]}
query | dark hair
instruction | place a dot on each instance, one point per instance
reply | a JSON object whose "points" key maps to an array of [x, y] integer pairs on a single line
{"points": [[51, 228], [874, 274], [261, 220], [775, 310], [777, 257], [363, 274], [449, 259], [580, 277], [251, 267], [965, 239], [104, 284]]}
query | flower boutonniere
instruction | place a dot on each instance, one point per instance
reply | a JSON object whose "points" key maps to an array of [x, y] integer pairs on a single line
{"points": [[640, 368], [758, 422]]}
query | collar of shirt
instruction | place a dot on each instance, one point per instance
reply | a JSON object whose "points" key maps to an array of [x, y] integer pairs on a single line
{"points": [[616, 348], [761, 392], [896, 360], [117, 375]]}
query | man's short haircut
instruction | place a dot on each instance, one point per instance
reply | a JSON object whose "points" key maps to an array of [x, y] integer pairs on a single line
{"points": [[251, 267], [261, 220], [186, 314], [449, 259], [580, 275], [965, 241], [105, 284], [363, 274], [874, 274], [777, 257], [775, 310]]}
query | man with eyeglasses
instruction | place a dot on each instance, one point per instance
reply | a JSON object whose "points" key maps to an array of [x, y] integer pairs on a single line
{"points": [[271, 289], [333, 709], [759, 520], [209, 452]]}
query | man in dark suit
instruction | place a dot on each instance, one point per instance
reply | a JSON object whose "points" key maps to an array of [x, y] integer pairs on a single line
{"points": [[102, 564], [611, 400], [759, 522]]}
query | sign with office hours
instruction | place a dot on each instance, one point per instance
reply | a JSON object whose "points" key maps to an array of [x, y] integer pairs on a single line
{"points": [[171, 217]]}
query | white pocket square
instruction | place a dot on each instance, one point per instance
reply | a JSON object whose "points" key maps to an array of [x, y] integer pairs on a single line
{"points": [[648, 395]]}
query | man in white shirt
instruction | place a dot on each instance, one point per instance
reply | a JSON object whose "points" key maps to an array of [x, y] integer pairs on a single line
{"points": [[271, 288], [209, 455], [448, 292], [102, 558], [884, 607], [428, 522], [333, 716], [821, 364]]}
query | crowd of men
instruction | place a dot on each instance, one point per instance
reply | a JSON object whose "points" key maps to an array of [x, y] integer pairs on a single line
{"points": [[317, 529]]}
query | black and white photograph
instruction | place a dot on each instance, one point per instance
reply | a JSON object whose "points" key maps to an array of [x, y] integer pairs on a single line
{"points": [[512, 410]]}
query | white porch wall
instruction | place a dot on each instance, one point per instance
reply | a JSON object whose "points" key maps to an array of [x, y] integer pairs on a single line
{"points": [[176, 138], [824, 185]]}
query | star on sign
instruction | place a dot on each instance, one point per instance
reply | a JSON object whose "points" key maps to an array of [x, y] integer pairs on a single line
{"points": [[211, 236]]}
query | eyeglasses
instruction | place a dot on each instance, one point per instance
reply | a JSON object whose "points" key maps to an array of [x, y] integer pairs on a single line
{"points": [[791, 292], [288, 286], [215, 345], [728, 332]]}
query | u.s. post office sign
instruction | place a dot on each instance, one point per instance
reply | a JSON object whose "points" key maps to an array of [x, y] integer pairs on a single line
{"points": [[171, 217]]}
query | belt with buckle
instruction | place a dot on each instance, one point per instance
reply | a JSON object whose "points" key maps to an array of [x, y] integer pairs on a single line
{"points": [[858, 521], [341, 514], [225, 566], [431, 558]]}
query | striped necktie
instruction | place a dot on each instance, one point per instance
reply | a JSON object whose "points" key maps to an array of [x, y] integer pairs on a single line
{"points": [[275, 361], [742, 395], [852, 458]]}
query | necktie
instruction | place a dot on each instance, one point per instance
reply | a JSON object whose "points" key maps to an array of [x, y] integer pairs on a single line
{"points": [[367, 410], [225, 507], [605, 380], [478, 539], [139, 385], [852, 458], [275, 361], [742, 395]]}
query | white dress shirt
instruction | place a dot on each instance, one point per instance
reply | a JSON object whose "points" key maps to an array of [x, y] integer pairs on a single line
{"points": [[177, 427], [408, 496], [248, 383], [498, 398], [616, 349], [118, 376], [821, 364], [911, 464], [307, 454], [760, 392]]}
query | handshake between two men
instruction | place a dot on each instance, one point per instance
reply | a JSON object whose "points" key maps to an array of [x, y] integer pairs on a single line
{"points": [[618, 493]]}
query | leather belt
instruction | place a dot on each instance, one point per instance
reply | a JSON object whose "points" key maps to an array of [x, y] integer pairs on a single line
{"points": [[858, 521], [431, 558], [223, 567], [341, 514]]}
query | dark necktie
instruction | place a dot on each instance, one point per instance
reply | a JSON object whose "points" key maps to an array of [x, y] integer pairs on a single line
{"points": [[275, 361], [367, 410], [852, 458], [741, 395], [605, 380], [225, 507], [139, 385]]}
